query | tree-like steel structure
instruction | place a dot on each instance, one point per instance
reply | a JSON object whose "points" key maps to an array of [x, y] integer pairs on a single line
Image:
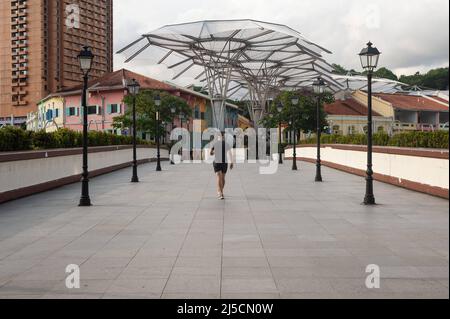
{"points": [[252, 58]]}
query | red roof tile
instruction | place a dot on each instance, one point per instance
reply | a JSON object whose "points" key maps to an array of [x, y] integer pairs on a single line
{"points": [[412, 103], [116, 78], [347, 107], [437, 98]]}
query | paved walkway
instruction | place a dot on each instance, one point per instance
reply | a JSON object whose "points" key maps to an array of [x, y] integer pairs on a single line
{"points": [[275, 236]]}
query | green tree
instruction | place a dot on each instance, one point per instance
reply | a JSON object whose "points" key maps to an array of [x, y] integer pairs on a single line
{"points": [[339, 69], [385, 74], [302, 116], [146, 111], [436, 79]]}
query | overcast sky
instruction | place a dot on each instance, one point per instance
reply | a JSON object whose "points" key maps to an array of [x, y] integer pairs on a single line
{"points": [[413, 35]]}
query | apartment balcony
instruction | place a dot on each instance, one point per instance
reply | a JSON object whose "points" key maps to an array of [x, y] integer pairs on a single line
{"points": [[20, 103]]}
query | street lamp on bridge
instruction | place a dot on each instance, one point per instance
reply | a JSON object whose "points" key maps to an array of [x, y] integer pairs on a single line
{"points": [[295, 100], [173, 111], [369, 60], [280, 148], [85, 59], [133, 88], [158, 120], [319, 89]]}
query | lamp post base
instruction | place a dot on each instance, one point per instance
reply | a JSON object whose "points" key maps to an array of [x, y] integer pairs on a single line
{"points": [[369, 200], [85, 202], [319, 173], [135, 179], [158, 166]]}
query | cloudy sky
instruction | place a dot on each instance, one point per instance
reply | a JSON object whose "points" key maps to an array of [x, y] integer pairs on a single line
{"points": [[412, 34]]}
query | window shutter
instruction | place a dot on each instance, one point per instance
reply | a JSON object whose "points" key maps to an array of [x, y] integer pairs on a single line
{"points": [[119, 108], [67, 111], [109, 109], [99, 110]]}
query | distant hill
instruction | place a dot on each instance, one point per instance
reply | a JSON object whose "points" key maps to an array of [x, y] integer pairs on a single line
{"points": [[436, 79]]}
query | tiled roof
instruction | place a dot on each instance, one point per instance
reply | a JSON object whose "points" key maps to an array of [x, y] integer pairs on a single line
{"points": [[437, 98], [412, 103], [116, 79], [347, 107]]}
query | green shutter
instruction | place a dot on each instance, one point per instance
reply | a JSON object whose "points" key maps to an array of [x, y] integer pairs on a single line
{"points": [[109, 109]]}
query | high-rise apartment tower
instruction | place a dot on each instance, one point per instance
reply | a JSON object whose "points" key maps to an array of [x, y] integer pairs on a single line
{"points": [[39, 44]]}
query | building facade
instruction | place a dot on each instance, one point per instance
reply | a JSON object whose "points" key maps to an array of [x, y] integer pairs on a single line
{"points": [[39, 44], [105, 102], [348, 116], [409, 112]]}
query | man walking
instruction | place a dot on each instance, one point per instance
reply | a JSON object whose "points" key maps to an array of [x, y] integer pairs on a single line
{"points": [[222, 152]]}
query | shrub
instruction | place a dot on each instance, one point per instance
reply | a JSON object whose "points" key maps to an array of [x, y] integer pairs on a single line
{"points": [[16, 139], [44, 140], [438, 139], [67, 138]]}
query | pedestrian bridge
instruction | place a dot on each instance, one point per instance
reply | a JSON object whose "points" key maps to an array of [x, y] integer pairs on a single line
{"points": [[275, 236]]}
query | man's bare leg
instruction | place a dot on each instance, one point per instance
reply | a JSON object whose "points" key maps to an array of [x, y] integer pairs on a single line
{"points": [[219, 184], [223, 181]]}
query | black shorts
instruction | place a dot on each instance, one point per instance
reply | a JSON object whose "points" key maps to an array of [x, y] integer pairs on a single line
{"points": [[220, 167]]}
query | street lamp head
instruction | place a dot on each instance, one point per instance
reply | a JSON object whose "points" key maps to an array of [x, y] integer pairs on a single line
{"points": [[295, 100], [133, 87], [319, 86], [85, 59], [158, 100], [369, 57], [280, 107]]}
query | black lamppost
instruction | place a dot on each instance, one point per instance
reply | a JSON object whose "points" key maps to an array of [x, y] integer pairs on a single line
{"points": [[158, 146], [188, 124], [182, 117], [319, 88], [294, 101], [369, 60], [172, 110], [280, 148], [85, 59], [133, 89]]}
